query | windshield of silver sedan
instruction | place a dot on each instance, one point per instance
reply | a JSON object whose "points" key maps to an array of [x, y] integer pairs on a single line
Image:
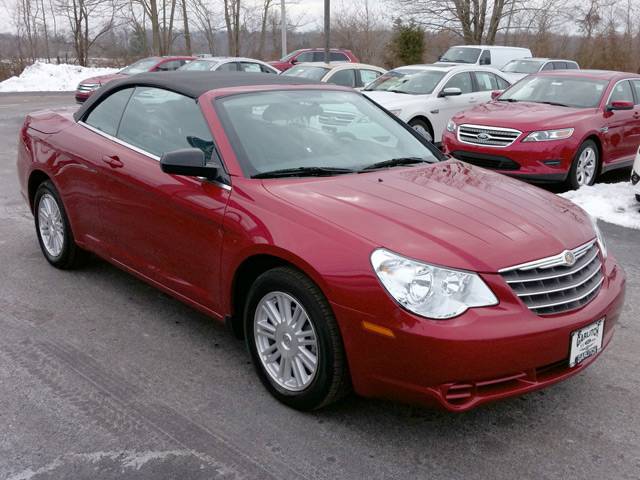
{"points": [[563, 91], [407, 80], [316, 132]]}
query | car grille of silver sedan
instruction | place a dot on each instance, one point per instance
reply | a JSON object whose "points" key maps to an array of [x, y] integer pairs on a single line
{"points": [[558, 284], [489, 136]]}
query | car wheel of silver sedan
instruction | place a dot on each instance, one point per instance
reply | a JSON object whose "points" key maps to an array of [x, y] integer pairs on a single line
{"points": [[53, 228], [294, 340], [584, 169]]}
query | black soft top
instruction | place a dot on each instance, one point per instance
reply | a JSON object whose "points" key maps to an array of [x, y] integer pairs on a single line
{"points": [[191, 84]]}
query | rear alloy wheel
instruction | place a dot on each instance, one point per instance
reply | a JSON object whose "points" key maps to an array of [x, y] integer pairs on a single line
{"points": [[584, 169], [53, 229], [294, 340], [422, 128]]}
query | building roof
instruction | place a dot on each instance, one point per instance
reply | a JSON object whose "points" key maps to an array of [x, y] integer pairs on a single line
{"points": [[191, 84]]}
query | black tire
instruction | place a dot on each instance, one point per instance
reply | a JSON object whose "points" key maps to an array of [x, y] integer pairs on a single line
{"points": [[331, 381], [572, 178], [71, 256], [418, 122]]}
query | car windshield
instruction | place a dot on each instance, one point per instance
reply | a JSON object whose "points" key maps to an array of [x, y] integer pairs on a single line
{"points": [[523, 66], [315, 129], [406, 80], [461, 55], [305, 71], [288, 57], [199, 66], [564, 91], [140, 66]]}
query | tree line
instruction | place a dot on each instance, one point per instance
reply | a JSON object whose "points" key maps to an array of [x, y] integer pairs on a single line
{"points": [[596, 33]]}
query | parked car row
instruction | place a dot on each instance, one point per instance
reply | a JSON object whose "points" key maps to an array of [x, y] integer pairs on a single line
{"points": [[556, 124], [331, 234]]}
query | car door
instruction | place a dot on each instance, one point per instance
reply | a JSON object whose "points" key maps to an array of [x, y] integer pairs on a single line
{"points": [[619, 135], [447, 107], [344, 78], [484, 83], [84, 183], [366, 76], [635, 122], [167, 228]]}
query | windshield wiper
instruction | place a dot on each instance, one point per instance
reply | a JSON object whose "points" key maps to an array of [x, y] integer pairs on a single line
{"points": [[303, 172], [555, 104], [507, 100], [393, 90], [394, 162]]}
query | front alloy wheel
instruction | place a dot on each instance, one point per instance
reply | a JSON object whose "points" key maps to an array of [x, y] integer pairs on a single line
{"points": [[294, 340], [286, 341], [584, 169]]}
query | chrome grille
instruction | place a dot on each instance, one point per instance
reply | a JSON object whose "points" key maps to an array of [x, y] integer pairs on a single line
{"points": [[553, 285], [489, 136], [88, 87], [336, 118]]}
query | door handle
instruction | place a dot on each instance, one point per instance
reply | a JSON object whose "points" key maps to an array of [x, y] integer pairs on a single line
{"points": [[112, 160]]}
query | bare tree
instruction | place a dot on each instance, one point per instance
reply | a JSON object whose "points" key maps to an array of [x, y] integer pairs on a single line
{"points": [[161, 14], [185, 20], [477, 21], [88, 21], [232, 21], [205, 22]]}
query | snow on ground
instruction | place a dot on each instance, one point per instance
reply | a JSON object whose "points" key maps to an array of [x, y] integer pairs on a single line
{"points": [[49, 77], [612, 202]]}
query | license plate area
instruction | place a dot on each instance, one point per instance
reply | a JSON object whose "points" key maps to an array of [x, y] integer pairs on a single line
{"points": [[586, 342]]}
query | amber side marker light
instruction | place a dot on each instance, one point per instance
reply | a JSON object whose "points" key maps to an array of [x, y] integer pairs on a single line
{"points": [[380, 330]]}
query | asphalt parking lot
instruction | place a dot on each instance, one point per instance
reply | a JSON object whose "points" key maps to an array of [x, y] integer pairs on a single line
{"points": [[102, 377]]}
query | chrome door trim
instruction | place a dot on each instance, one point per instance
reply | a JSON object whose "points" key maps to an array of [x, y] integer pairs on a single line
{"points": [[141, 151]]}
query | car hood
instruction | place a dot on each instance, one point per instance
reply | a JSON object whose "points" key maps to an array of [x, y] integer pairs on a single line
{"points": [[102, 79], [524, 116], [392, 99], [513, 77], [448, 213]]}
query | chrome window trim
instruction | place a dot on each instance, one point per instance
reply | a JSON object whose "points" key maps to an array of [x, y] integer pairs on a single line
{"points": [[487, 127], [141, 151], [615, 85], [552, 261]]}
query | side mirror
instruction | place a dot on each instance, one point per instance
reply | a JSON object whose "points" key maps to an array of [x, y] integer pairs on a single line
{"points": [[293, 61], [450, 92], [619, 105], [495, 94], [189, 162]]}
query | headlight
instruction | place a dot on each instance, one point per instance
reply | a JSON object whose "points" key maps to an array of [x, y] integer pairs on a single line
{"points": [[451, 126], [396, 112], [427, 290], [599, 237], [548, 135]]}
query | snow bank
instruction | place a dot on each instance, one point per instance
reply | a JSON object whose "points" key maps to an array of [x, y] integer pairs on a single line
{"points": [[611, 202], [49, 77]]}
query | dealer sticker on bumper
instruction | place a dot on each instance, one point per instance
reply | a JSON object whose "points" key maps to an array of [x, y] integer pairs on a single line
{"points": [[586, 342]]}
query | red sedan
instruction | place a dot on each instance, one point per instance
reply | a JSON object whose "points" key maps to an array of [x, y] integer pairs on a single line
{"points": [[558, 126], [152, 64], [313, 55], [349, 256]]}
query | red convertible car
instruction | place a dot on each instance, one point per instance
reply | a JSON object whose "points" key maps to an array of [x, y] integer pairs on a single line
{"points": [[350, 255]]}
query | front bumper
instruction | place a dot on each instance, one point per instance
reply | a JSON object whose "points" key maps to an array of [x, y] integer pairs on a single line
{"points": [[483, 355], [531, 161]]}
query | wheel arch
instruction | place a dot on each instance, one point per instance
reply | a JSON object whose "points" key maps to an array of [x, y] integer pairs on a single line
{"points": [[426, 120], [36, 178], [596, 139], [249, 269]]}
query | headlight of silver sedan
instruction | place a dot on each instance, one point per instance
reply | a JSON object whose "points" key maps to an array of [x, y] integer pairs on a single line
{"points": [[427, 290]]}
